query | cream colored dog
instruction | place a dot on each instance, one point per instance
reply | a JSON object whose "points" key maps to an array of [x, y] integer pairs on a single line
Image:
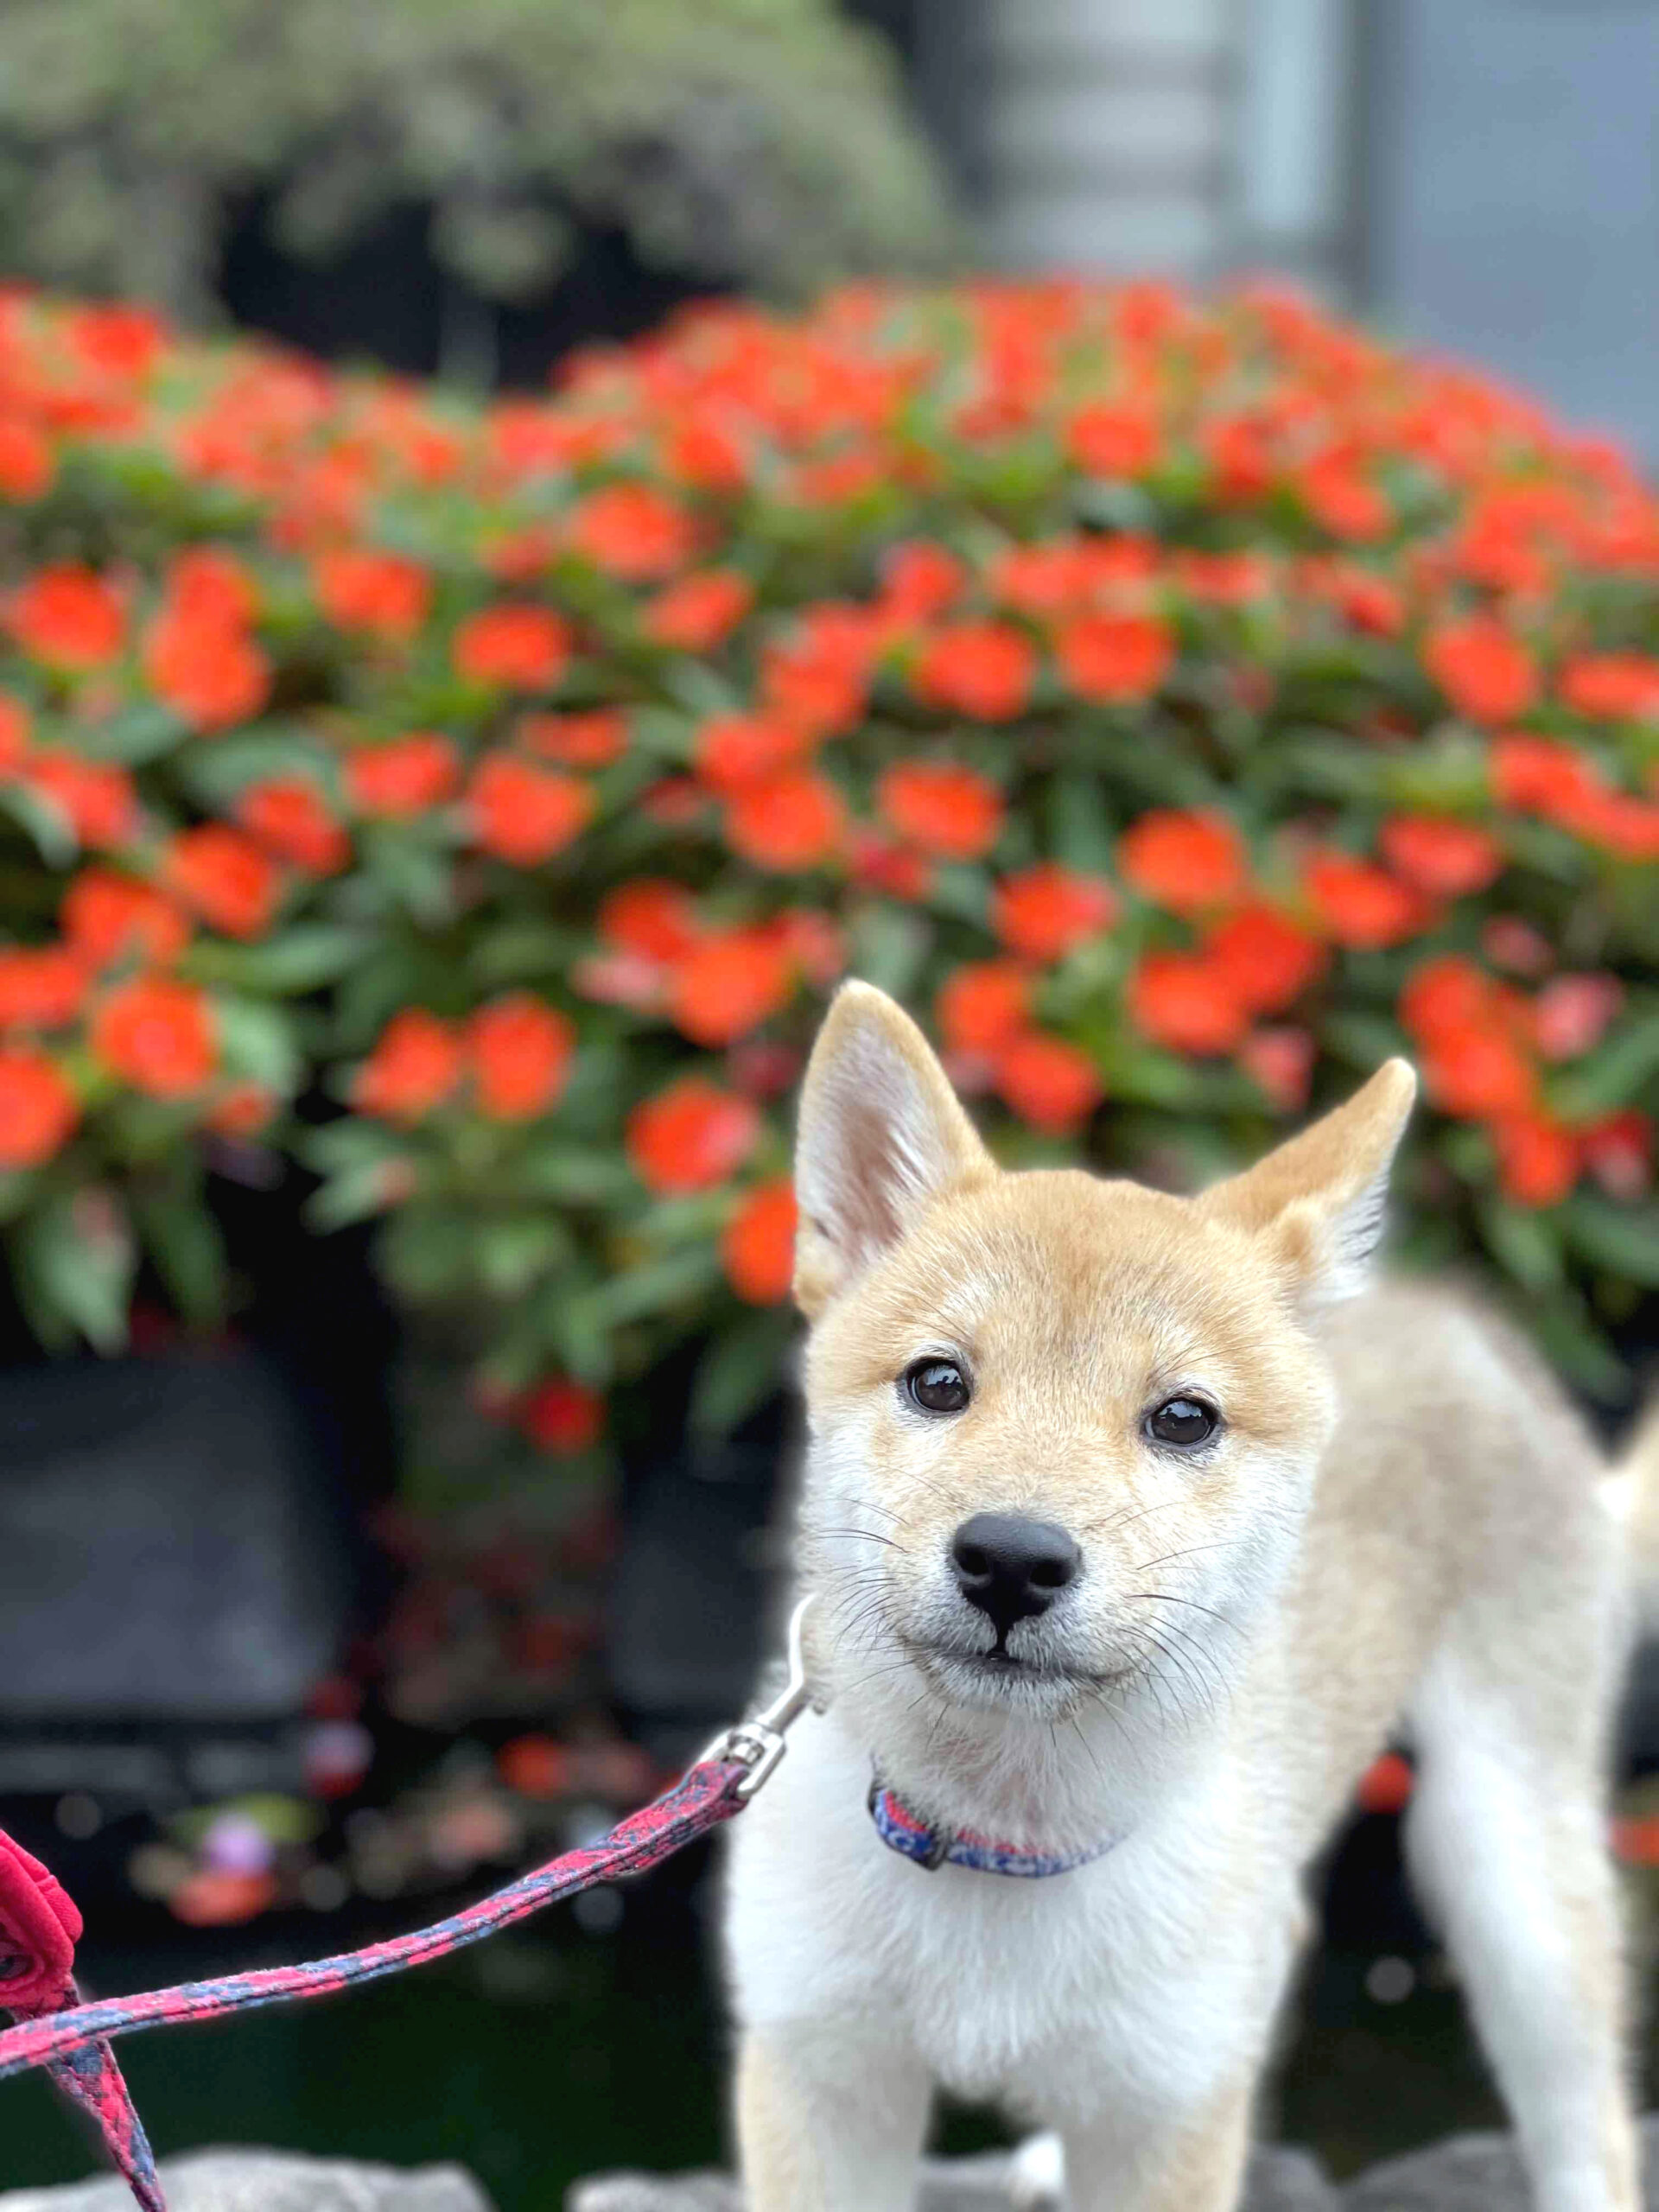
{"points": [[1136, 1525]]}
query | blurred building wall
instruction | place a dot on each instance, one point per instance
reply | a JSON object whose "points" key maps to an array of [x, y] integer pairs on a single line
{"points": [[1478, 175]]}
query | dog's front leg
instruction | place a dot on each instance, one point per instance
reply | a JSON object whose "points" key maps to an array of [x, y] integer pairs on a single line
{"points": [[831, 2118], [1176, 2163]]}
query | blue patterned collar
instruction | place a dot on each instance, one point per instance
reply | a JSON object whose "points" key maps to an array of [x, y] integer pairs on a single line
{"points": [[902, 1831]]}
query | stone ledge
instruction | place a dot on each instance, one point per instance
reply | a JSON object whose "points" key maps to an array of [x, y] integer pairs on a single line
{"points": [[1466, 2173], [269, 2181]]}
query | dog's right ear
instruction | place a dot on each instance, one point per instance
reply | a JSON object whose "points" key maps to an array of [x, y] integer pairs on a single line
{"points": [[881, 1134]]}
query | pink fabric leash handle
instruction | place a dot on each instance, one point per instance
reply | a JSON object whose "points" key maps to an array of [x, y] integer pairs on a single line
{"points": [[39, 1927], [72, 2040]]}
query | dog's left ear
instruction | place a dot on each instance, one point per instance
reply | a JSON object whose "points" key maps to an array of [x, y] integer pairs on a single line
{"points": [[1321, 1196]]}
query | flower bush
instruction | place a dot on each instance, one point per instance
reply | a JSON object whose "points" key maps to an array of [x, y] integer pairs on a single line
{"points": [[1181, 705]]}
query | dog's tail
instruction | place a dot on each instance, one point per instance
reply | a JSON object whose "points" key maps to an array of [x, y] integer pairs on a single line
{"points": [[1630, 1491]]}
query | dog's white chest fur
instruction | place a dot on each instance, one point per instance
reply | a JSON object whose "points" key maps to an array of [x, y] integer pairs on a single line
{"points": [[1001, 1985]]}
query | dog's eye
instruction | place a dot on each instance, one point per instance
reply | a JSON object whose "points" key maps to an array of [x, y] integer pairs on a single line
{"points": [[1182, 1420], [938, 1386]]}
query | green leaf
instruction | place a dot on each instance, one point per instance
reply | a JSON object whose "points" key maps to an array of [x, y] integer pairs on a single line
{"points": [[1079, 823], [1362, 1040], [664, 1287], [511, 1256], [357, 1194], [1525, 1244], [257, 1043], [1611, 1076], [138, 735], [519, 951], [183, 1240], [301, 959], [1623, 1238], [46, 824], [740, 1368], [889, 944], [577, 1178], [76, 1260], [427, 1252], [1574, 1345]]}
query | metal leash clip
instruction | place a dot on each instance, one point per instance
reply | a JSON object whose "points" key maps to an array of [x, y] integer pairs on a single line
{"points": [[757, 1742]]}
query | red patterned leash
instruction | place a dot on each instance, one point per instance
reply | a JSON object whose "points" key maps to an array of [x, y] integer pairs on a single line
{"points": [[39, 1925]]}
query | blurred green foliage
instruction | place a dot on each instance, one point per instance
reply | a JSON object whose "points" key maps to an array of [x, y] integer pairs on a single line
{"points": [[756, 140]]}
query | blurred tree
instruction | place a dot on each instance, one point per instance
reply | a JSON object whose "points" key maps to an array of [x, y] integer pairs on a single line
{"points": [[759, 141]]}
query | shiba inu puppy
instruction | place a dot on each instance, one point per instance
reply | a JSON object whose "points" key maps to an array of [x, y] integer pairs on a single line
{"points": [[1135, 1525]]}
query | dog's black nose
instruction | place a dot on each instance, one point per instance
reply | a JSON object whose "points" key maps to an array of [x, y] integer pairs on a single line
{"points": [[1010, 1567]]}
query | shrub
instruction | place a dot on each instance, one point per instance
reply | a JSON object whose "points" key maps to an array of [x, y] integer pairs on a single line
{"points": [[1182, 706], [766, 145]]}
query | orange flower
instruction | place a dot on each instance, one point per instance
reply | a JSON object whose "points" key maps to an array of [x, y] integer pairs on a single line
{"points": [[1341, 500], [1186, 1000], [633, 530], [42, 987], [210, 674], [289, 814], [106, 918], [700, 452], [69, 616], [208, 584], [38, 1109], [820, 685], [397, 781], [700, 612], [1047, 1081], [1280, 1062], [413, 1067], [919, 579], [981, 1005], [758, 1247], [596, 740], [27, 464], [1447, 858], [982, 668], [1446, 995], [733, 750], [655, 919], [1268, 960], [225, 878], [1047, 911], [729, 984], [521, 1051], [1110, 438], [792, 821], [380, 593], [692, 1137], [242, 1111], [516, 648], [1115, 660], [15, 727], [1185, 861], [525, 814], [1362, 906], [953, 811], [1613, 687], [1542, 775], [1478, 1073], [562, 1416], [97, 797], [1485, 672], [156, 1033], [1537, 1159]]}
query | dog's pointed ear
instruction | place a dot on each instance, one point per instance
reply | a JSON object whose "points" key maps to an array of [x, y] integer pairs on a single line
{"points": [[880, 1135], [1322, 1196]]}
